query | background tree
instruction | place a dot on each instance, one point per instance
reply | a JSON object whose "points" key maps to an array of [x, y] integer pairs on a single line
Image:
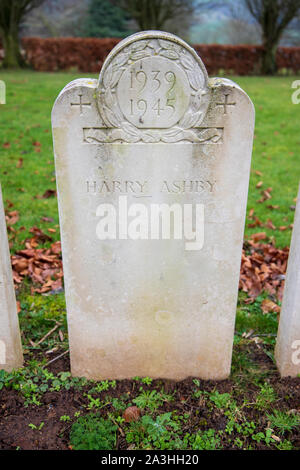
{"points": [[239, 26], [106, 19], [154, 14], [237, 31], [56, 18], [273, 16], [291, 36], [12, 13]]}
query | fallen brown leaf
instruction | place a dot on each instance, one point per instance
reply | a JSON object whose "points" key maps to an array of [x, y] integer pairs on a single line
{"points": [[49, 193], [268, 306], [132, 413], [20, 163], [258, 236]]}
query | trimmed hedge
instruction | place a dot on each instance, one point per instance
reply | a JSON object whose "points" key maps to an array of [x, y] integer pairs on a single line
{"points": [[82, 54], [88, 54], [289, 58], [245, 59], [239, 60]]}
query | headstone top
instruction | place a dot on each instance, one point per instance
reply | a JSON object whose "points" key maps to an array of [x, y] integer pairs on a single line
{"points": [[153, 87]]}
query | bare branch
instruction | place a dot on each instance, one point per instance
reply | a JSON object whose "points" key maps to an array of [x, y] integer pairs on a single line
{"points": [[273, 16]]}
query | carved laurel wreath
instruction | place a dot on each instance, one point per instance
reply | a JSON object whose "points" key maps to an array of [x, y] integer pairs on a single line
{"points": [[122, 129]]}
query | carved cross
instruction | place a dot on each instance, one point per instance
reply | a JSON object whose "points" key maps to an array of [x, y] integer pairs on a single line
{"points": [[225, 104], [81, 104]]}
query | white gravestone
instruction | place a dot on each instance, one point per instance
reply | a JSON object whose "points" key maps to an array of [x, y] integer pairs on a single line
{"points": [[11, 355], [287, 350], [152, 166]]}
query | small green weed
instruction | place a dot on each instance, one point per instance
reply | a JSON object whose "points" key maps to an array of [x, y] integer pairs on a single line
{"points": [[92, 432], [159, 433], [205, 440], [151, 399], [265, 397], [221, 400], [283, 421], [264, 437]]}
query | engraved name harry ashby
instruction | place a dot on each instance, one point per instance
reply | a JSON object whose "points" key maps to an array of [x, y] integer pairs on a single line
{"points": [[152, 132]]}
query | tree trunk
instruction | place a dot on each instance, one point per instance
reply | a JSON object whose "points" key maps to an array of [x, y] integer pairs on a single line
{"points": [[12, 58], [269, 66]]}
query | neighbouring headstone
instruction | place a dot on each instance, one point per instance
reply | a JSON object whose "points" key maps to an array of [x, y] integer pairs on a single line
{"points": [[2, 92], [287, 351], [11, 355], [152, 166]]}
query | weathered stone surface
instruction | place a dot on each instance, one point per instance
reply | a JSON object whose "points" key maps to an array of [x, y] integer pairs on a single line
{"points": [[287, 352], [11, 355], [152, 130]]}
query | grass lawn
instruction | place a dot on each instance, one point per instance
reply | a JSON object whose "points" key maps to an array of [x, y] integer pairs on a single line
{"points": [[42, 406], [26, 134]]}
